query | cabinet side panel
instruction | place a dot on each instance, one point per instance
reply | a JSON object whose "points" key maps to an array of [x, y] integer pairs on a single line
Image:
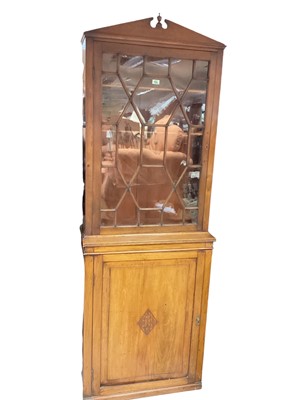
{"points": [[87, 325], [88, 148], [212, 141]]}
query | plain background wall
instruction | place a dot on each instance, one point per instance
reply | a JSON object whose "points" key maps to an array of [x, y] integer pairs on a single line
{"points": [[252, 343]]}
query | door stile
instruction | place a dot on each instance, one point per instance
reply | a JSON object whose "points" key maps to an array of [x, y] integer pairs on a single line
{"points": [[206, 278], [196, 313]]}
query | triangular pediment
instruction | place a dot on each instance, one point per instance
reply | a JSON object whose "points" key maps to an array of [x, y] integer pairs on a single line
{"points": [[142, 31]]}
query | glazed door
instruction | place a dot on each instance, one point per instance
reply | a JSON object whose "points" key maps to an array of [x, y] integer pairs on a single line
{"points": [[150, 316]]}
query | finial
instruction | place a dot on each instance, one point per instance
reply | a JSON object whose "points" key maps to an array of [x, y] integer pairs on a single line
{"points": [[158, 25]]}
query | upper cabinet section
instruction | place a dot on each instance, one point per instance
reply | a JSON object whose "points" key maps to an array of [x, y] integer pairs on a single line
{"points": [[150, 103]]}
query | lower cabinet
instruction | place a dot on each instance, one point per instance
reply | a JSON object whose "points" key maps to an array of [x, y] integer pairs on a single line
{"points": [[144, 323]]}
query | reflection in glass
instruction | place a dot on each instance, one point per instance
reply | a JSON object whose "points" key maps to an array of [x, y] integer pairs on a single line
{"points": [[200, 70], [195, 149], [109, 62], [157, 66], [131, 71], [114, 98], [153, 117], [179, 79], [154, 98]]}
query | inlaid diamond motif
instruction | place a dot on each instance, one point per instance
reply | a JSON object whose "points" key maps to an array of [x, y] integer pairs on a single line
{"points": [[147, 322]]}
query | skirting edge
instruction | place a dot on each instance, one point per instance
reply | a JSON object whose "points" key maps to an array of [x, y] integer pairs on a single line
{"points": [[146, 393]]}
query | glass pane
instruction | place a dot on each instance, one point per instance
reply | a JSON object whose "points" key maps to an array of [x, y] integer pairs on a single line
{"points": [[114, 98], [195, 149], [201, 70], [128, 129], [108, 218], [154, 98], [127, 211], [193, 102], [113, 186], [157, 66], [153, 115], [178, 118], [131, 71], [190, 194], [173, 210], [181, 74], [150, 217], [109, 62]]}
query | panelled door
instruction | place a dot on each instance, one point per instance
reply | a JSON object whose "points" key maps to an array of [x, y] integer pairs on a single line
{"points": [[149, 312]]}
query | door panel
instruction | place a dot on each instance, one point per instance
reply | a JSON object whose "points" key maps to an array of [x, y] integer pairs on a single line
{"points": [[146, 320]]}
